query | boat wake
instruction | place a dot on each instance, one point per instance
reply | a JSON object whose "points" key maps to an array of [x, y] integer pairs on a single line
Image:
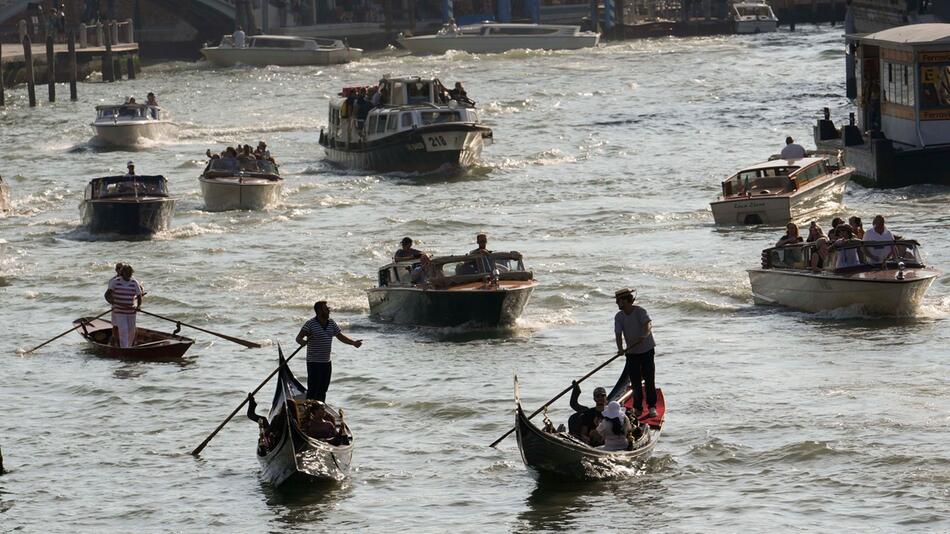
{"points": [[189, 230], [190, 130]]}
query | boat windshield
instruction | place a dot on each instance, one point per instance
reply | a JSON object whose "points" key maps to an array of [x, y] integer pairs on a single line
{"points": [[439, 117], [263, 42], [854, 255], [121, 186], [764, 181], [235, 166], [120, 111], [754, 11]]}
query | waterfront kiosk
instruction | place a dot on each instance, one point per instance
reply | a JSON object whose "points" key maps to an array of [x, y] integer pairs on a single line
{"points": [[900, 134]]}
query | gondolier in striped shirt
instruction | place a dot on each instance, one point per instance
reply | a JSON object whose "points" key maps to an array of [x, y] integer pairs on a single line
{"points": [[125, 294], [318, 334]]}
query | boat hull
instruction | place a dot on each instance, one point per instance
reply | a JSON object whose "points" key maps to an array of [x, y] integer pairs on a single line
{"points": [[421, 150], [129, 134], [127, 217], [222, 194], [151, 344], [778, 210], [477, 44], [756, 26], [431, 307], [297, 458], [870, 293], [227, 57]]}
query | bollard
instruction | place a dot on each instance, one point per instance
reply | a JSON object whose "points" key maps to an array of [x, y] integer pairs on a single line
{"points": [[83, 36], [131, 31], [21, 30], [108, 67], [130, 67], [30, 80], [99, 38], [50, 68], [71, 47], [114, 32]]}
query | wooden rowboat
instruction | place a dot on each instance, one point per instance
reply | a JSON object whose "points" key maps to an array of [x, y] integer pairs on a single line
{"points": [[558, 454], [149, 344], [294, 456]]}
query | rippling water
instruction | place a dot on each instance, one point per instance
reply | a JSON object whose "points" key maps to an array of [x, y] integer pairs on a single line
{"points": [[604, 163]]}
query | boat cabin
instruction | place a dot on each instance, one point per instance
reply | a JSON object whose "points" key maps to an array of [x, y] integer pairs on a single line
{"points": [[283, 42], [752, 11], [776, 177], [490, 29], [448, 271], [902, 83], [128, 112], [223, 167], [855, 255], [119, 187]]}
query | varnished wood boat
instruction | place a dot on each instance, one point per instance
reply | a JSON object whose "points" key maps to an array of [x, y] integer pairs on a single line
{"points": [[230, 184], [295, 456], [560, 455], [127, 205], [149, 344], [479, 289]]}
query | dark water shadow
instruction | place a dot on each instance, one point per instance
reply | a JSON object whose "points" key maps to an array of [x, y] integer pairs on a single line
{"points": [[463, 333], [302, 502]]}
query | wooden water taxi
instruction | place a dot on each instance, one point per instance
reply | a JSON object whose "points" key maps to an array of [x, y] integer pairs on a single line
{"points": [[232, 184], [779, 191], [123, 125], [287, 454], [416, 128], [149, 345], [862, 277], [127, 205], [476, 289]]}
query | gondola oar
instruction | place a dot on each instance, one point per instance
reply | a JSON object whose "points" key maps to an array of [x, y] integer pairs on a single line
{"points": [[248, 344], [66, 332], [559, 395], [204, 443]]}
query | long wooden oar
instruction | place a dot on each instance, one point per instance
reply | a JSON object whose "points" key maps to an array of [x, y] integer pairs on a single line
{"points": [[204, 443], [66, 332], [559, 395], [248, 344]]}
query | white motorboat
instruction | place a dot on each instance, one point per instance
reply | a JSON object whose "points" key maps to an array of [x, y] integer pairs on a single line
{"points": [[493, 37], [754, 17], [233, 184], [864, 277], [281, 50], [779, 191], [4, 196], [124, 125]]}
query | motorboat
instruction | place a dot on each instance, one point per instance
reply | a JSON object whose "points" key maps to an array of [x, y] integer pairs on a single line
{"points": [[754, 17], [150, 345], [553, 452], [474, 289], [4, 196], [123, 125], [496, 37], [281, 50], [863, 277], [286, 453], [417, 127], [234, 184], [127, 205], [781, 190]]}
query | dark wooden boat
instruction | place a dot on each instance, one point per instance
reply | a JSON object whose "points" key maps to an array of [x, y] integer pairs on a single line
{"points": [[560, 455], [127, 205], [293, 455], [489, 290], [149, 344]]}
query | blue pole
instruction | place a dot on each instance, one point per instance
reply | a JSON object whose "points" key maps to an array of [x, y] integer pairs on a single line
{"points": [[608, 14], [535, 6], [504, 10], [447, 13]]}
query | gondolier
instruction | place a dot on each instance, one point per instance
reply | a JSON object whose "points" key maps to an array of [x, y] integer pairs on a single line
{"points": [[125, 294], [318, 334], [633, 324]]}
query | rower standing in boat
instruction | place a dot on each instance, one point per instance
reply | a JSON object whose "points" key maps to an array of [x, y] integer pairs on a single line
{"points": [[406, 252], [125, 294], [482, 241], [634, 324], [318, 334]]}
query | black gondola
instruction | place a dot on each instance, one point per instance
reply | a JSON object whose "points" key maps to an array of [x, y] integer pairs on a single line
{"points": [[127, 205]]}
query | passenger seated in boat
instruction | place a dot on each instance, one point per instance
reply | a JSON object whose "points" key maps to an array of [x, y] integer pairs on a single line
{"points": [[791, 236], [266, 437], [420, 273], [614, 428], [582, 424], [406, 252], [459, 95], [847, 257], [482, 241], [857, 226], [819, 256], [316, 422], [363, 107], [814, 232], [835, 223], [152, 104], [792, 150]]}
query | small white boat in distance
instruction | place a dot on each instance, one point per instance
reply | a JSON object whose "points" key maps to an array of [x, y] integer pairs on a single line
{"points": [[123, 125], [494, 37], [281, 50], [865, 277], [232, 184], [754, 17], [779, 191]]}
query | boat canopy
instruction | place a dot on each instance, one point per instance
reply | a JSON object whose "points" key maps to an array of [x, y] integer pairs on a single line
{"points": [[125, 110], [775, 177], [127, 185], [453, 270], [854, 255], [233, 166]]}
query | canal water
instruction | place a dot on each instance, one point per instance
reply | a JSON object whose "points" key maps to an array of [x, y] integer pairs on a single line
{"points": [[603, 166]]}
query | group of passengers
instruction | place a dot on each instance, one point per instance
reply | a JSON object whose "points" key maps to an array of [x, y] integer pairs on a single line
{"points": [[841, 233], [360, 101], [605, 425], [311, 416], [150, 101], [424, 271], [244, 153]]}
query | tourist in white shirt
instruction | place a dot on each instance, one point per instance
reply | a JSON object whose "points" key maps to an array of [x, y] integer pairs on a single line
{"points": [[614, 428], [792, 150], [878, 232]]}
